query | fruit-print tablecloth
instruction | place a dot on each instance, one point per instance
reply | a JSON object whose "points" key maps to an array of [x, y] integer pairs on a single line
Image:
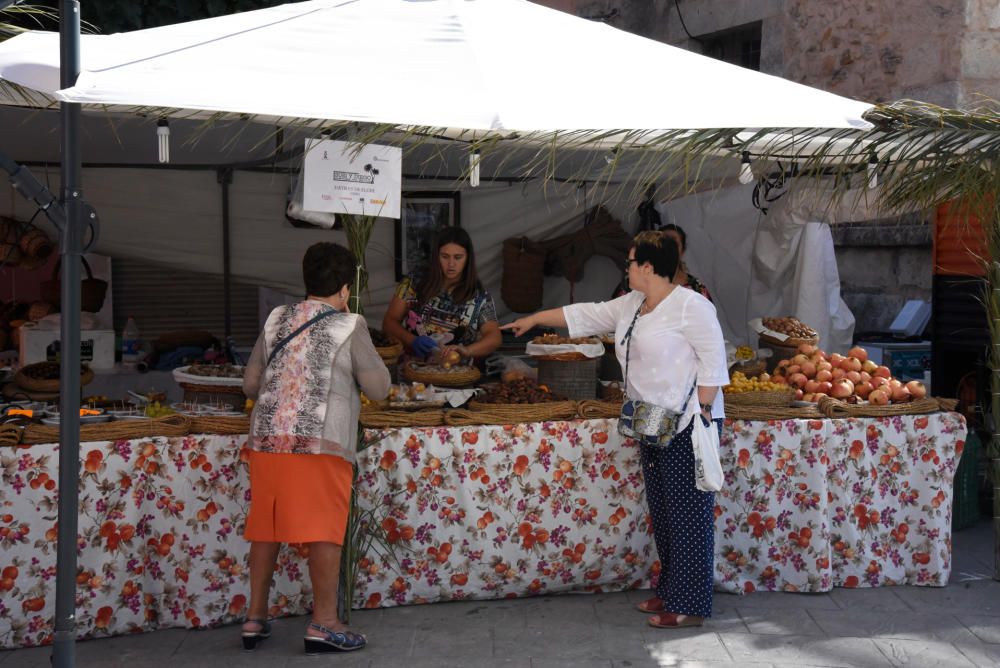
{"points": [[477, 512]]}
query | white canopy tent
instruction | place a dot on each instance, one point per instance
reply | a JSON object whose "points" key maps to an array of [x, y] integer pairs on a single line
{"points": [[469, 67]]}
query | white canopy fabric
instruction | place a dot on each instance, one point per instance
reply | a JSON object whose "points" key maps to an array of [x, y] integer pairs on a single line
{"points": [[489, 66]]}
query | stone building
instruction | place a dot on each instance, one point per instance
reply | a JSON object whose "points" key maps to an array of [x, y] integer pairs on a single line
{"points": [[946, 52]]}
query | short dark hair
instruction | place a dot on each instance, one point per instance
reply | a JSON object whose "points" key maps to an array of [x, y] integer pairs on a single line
{"points": [[664, 257], [326, 268], [680, 233]]}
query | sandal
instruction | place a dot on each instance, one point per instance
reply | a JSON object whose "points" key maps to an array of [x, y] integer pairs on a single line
{"points": [[253, 638], [654, 604], [333, 641], [671, 620]]}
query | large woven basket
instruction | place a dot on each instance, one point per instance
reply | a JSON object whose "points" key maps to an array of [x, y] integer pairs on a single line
{"points": [[23, 379], [750, 369], [220, 424], [836, 408], [390, 418], [511, 413], [591, 410], [780, 398], [170, 425], [739, 412], [454, 377], [390, 354]]}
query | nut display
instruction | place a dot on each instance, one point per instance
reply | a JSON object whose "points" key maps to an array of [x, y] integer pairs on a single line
{"points": [[790, 327], [46, 370], [523, 391], [556, 340], [216, 370], [380, 339]]}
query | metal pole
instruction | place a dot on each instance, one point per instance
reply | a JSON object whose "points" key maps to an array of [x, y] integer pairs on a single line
{"points": [[226, 178], [63, 653]]}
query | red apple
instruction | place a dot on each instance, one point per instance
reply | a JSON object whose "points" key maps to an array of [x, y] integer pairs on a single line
{"points": [[916, 389]]}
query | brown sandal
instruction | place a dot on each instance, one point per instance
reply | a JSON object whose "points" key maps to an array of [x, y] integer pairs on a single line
{"points": [[654, 604], [671, 620]]}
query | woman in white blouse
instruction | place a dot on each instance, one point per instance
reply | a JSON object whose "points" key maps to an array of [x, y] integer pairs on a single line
{"points": [[674, 342]]}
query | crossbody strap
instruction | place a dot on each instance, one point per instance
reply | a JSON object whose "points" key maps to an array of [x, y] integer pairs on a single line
{"points": [[309, 323]]}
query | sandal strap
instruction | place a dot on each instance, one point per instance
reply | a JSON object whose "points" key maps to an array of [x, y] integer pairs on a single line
{"points": [[351, 636]]}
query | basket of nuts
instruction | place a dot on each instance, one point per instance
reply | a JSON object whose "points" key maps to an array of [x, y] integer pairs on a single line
{"points": [[44, 376], [388, 348], [794, 331]]}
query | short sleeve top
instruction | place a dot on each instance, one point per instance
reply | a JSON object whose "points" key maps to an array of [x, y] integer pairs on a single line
{"points": [[442, 314]]}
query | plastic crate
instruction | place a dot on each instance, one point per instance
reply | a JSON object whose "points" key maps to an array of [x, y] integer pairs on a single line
{"points": [[965, 510]]}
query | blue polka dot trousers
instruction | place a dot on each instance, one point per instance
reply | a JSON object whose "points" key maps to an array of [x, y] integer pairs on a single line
{"points": [[683, 525]]}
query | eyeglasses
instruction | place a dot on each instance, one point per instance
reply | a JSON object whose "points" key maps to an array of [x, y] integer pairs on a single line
{"points": [[629, 261]]}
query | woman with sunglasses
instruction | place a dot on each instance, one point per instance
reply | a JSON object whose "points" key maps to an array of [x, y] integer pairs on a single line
{"points": [[670, 344]]}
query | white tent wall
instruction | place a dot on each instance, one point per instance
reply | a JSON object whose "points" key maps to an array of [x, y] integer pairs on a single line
{"points": [[173, 219], [777, 264]]}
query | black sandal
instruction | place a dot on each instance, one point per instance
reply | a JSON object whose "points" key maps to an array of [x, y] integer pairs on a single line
{"points": [[333, 641], [253, 638]]}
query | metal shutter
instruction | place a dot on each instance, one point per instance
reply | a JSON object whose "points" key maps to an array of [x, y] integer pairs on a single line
{"points": [[163, 300]]}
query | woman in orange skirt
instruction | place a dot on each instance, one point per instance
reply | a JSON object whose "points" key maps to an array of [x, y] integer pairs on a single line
{"points": [[304, 374]]}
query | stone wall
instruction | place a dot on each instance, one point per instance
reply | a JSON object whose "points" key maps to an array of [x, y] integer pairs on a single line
{"points": [[882, 265]]}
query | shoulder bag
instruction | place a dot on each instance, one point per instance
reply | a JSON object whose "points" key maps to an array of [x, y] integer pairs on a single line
{"points": [[642, 420]]}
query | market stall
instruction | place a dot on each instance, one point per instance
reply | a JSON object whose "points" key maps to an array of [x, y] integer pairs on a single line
{"points": [[479, 512]]}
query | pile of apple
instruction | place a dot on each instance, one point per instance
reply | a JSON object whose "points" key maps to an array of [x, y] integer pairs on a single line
{"points": [[851, 378]]}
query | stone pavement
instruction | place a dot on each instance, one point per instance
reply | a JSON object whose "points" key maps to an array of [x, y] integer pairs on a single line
{"points": [[956, 626]]}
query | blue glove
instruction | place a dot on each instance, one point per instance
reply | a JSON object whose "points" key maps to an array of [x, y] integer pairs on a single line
{"points": [[423, 345]]}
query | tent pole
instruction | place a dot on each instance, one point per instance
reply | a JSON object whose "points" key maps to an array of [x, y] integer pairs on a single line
{"points": [[225, 176], [63, 653]]}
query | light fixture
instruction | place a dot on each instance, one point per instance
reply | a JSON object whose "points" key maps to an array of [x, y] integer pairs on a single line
{"points": [[163, 139], [872, 171], [474, 168], [746, 172]]}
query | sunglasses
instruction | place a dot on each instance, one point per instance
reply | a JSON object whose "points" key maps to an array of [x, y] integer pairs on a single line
{"points": [[629, 261]]}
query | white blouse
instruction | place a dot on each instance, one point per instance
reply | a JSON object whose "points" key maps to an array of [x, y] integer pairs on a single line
{"points": [[680, 340]]}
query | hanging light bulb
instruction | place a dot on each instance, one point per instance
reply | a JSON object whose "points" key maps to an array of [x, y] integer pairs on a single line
{"points": [[163, 139], [746, 172], [474, 168], [872, 171]]}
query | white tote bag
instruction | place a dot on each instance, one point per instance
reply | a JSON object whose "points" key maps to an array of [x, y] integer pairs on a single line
{"points": [[707, 467]]}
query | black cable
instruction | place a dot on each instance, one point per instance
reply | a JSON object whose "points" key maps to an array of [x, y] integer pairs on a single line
{"points": [[677, 6]]}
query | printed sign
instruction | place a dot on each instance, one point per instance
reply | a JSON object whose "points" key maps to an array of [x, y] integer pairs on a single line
{"points": [[341, 177]]}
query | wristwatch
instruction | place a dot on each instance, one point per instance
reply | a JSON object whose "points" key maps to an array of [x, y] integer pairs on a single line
{"points": [[706, 408]]}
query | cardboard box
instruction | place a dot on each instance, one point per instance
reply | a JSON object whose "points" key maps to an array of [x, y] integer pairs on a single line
{"points": [[97, 346]]}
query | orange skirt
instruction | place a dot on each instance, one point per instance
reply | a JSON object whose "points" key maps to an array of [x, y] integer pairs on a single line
{"points": [[298, 498]]}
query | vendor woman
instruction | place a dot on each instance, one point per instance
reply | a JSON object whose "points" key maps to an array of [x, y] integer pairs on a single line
{"points": [[449, 299]]}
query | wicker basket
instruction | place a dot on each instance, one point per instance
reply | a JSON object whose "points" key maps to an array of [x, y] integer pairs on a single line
{"points": [[170, 425], [10, 434], [835, 408], [388, 418], [220, 425], [390, 354], [781, 350], [454, 377], [576, 379], [739, 412], [23, 379], [511, 413], [779, 398], [591, 410], [750, 369], [227, 394]]}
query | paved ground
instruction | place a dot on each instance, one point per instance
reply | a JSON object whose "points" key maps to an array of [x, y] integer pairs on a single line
{"points": [[894, 626]]}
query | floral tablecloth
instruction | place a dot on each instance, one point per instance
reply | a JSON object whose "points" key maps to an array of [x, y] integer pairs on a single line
{"points": [[479, 512]]}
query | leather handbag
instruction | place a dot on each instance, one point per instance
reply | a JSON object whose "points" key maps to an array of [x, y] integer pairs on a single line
{"points": [[642, 420]]}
